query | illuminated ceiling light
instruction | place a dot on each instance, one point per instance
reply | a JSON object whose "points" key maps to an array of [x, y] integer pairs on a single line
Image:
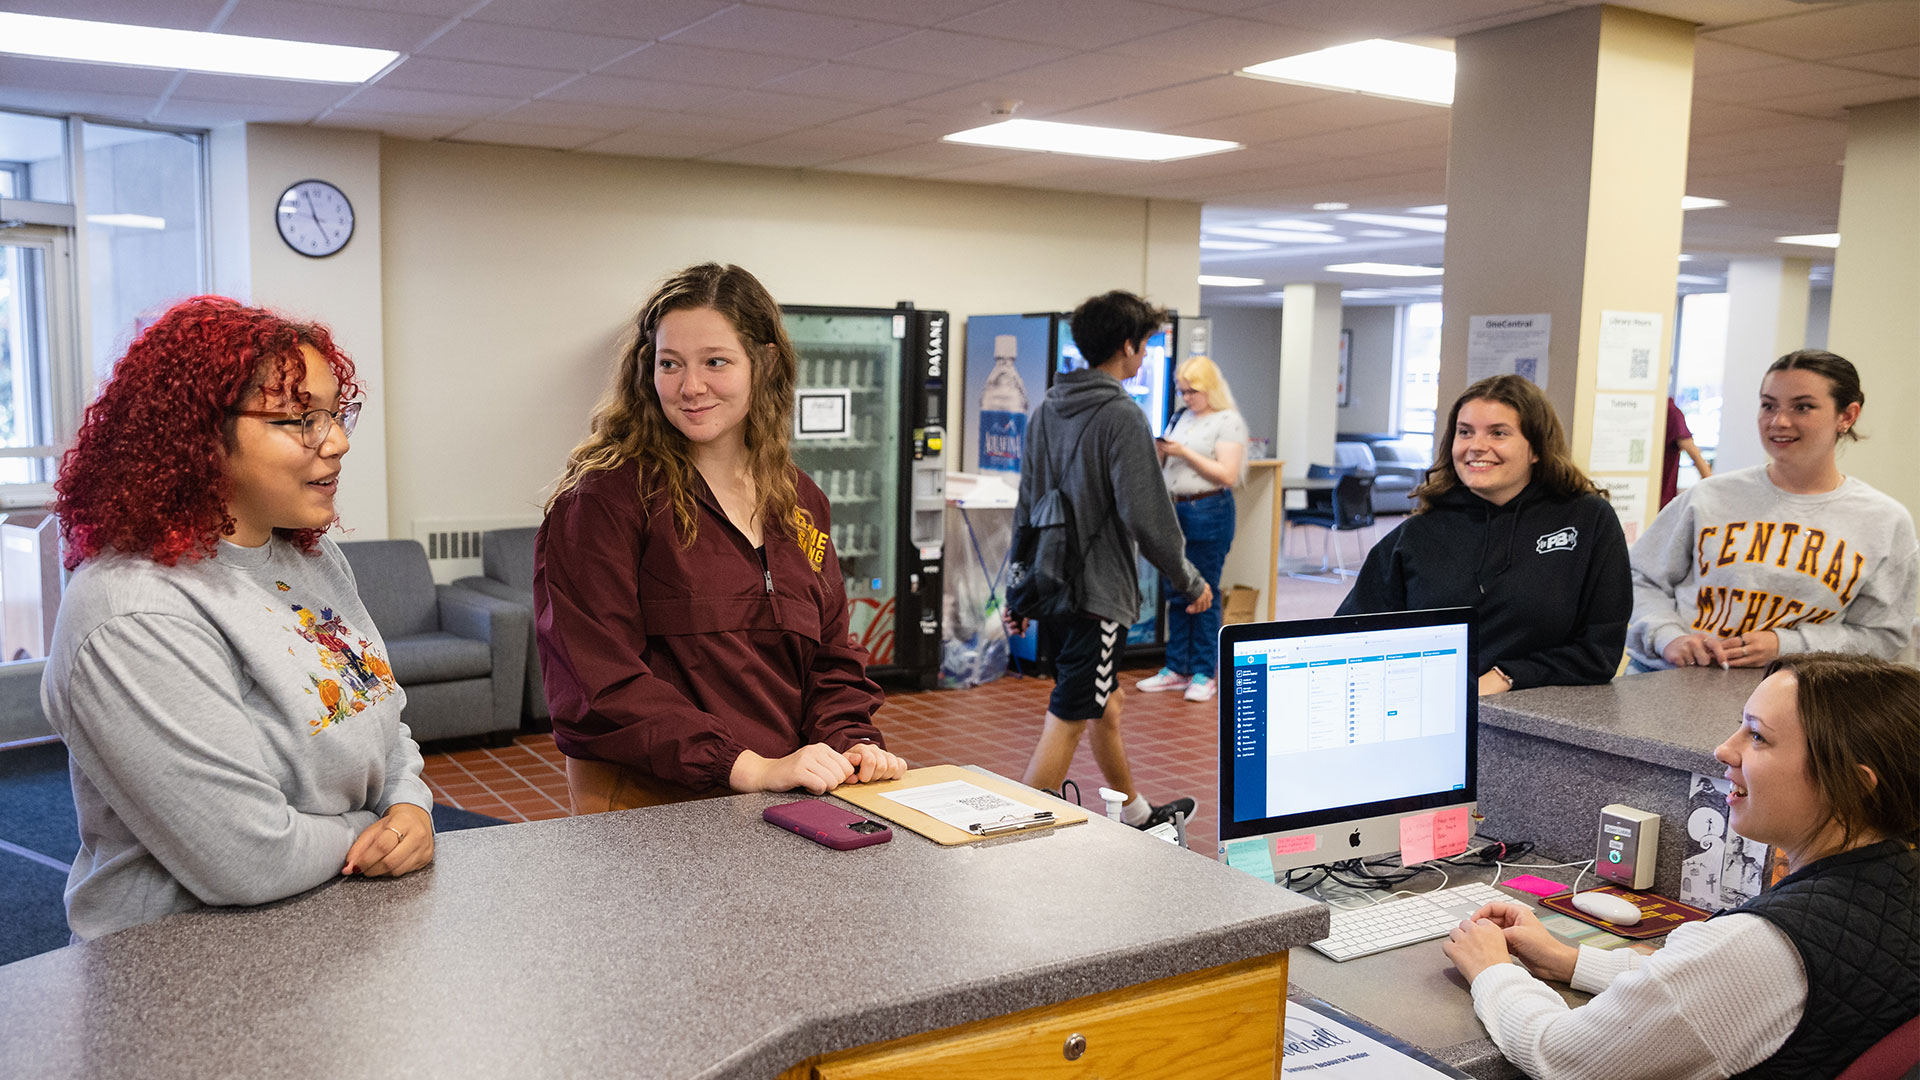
{"points": [[1229, 282], [1381, 234], [1395, 221], [1366, 294], [1436, 210], [127, 221], [1052, 137], [1387, 269], [1329, 206], [1696, 279], [1297, 225], [1699, 202], [1684, 257], [188, 50], [1233, 245], [1383, 68], [1278, 236], [1827, 240]]}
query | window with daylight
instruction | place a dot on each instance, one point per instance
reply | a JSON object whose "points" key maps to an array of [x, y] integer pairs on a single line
{"points": [[1419, 372]]}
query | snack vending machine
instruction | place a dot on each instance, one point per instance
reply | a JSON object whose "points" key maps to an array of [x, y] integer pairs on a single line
{"points": [[869, 423]]}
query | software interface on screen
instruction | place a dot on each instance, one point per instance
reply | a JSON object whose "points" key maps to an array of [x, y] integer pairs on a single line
{"points": [[1338, 720]]}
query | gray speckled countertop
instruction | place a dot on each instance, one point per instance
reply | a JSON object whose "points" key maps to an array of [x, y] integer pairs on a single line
{"points": [[1673, 718], [682, 941]]}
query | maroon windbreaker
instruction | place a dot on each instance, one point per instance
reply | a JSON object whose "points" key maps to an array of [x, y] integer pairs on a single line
{"points": [[674, 659]]}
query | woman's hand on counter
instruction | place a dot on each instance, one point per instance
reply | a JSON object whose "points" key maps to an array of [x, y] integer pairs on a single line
{"points": [[1545, 955], [872, 763], [817, 767], [399, 843], [1493, 683], [1474, 946]]}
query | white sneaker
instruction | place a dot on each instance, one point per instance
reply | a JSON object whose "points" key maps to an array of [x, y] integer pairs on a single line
{"points": [[1201, 688], [1164, 679]]}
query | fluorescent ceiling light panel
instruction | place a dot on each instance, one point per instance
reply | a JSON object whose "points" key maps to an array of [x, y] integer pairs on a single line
{"points": [[1233, 245], [1436, 210], [1685, 257], [1052, 137], [1383, 68], [1381, 234], [1699, 202], [1387, 269], [1229, 282], [1329, 206], [187, 50], [1395, 221], [127, 221], [1697, 279], [1297, 225], [1278, 236], [1830, 240]]}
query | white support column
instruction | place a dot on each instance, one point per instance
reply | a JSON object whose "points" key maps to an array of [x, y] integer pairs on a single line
{"points": [[1766, 319], [1309, 375]]}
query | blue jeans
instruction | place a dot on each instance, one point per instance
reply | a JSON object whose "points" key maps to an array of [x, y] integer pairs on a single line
{"points": [[1192, 640]]}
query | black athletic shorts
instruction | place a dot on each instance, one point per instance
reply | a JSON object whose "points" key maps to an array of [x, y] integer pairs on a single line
{"points": [[1086, 668]]}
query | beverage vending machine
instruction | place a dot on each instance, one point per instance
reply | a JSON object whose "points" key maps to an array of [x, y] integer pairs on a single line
{"points": [[869, 425]]}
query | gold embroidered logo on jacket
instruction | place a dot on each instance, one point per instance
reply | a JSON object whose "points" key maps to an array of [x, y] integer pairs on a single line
{"points": [[813, 542]]}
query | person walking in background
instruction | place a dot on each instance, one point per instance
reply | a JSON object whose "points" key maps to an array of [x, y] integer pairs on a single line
{"points": [[1679, 440], [1088, 441], [1202, 458], [1790, 556]]}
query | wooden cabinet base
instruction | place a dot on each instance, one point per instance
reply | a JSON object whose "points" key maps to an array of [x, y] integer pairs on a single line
{"points": [[1223, 1023]]}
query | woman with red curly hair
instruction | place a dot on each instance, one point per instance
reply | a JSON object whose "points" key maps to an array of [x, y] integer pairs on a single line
{"points": [[233, 724]]}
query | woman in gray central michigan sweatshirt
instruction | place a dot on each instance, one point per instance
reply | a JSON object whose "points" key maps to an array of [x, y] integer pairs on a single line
{"points": [[233, 723]]}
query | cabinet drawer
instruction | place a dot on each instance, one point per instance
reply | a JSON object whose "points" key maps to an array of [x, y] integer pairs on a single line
{"points": [[1218, 1024]]}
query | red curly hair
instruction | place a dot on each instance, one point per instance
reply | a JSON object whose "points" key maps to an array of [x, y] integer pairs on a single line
{"points": [[146, 473]]}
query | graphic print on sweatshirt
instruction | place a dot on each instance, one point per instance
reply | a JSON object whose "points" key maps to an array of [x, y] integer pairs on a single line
{"points": [[1565, 540], [358, 676], [1829, 571]]}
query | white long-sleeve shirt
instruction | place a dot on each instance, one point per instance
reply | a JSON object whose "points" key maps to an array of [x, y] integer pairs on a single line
{"points": [[1718, 999]]}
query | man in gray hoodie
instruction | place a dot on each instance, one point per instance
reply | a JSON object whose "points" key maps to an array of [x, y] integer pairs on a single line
{"points": [[1102, 459]]}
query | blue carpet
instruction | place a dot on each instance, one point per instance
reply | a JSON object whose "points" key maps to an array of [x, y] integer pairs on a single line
{"points": [[36, 813]]}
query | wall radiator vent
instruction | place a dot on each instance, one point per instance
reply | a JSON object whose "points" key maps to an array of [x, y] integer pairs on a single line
{"points": [[453, 546]]}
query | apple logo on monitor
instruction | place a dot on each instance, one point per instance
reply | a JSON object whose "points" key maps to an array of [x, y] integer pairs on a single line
{"points": [[1354, 840]]}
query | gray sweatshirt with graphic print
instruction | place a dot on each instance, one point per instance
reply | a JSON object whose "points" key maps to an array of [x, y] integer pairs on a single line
{"points": [[1100, 454], [233, 724]]}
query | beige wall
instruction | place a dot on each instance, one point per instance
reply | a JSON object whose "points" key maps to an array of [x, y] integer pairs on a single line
{"points": [[510, 276]]}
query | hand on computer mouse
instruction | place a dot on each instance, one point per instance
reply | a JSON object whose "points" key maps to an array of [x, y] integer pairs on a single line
{"points": [[1545, 955]]}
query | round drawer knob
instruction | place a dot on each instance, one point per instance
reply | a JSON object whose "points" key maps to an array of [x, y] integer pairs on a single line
{"points": [[1076, 1045]]}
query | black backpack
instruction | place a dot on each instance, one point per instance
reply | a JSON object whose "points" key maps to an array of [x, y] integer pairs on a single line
{"points": [[1048, 555]]}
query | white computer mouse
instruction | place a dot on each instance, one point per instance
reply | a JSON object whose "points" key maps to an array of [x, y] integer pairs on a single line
{"points": [[1613, 909]]}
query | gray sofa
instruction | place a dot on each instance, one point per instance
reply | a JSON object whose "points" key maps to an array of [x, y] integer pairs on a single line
{"points": [[460, 655], [20, 714], [1393, 480], [506, 561]]}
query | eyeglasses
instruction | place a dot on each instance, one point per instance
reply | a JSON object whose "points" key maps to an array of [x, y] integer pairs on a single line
{"points": [[314, 423], [1191, 390]]}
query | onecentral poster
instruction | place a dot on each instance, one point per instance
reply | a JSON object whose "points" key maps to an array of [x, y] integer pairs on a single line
{"points": [[1508, 345]]}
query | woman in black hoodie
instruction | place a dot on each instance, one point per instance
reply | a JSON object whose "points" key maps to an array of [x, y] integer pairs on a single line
{"points": [[1508, 525]]}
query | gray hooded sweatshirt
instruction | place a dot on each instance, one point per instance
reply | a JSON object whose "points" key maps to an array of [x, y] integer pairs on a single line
{"points": [[1103, 459]]}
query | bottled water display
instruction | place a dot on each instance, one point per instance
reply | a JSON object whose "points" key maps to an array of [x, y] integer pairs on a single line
{"points": [[1003, 410]]}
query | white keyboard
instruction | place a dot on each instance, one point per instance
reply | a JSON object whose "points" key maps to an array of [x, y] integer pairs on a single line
{"points": [[1364, 931]]}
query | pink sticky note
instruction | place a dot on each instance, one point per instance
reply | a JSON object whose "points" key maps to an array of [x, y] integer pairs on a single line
{"points": [[1538, 886], [1294, 845], [1416, 839], [1450, 831]]}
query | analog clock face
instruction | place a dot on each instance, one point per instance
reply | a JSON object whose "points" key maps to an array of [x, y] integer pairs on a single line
{"points": [[315, 218]]}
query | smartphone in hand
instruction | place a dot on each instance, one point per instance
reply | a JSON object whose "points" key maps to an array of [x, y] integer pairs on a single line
{"points": [[826, 824]]}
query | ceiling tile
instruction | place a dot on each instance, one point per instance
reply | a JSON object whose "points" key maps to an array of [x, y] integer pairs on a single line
{"points": [[467, 77], [537, 135], [1223, 45], [1713, 117], [1834, 103], [1326, 111], [1192, 103], [787, 33], [643, 21], [314, 97], [1354, 20], [643, 93], [1827, 136], [848, 82], [178, 15], [1060, 84], [813, 147], [445, 9], [671, 62], [405, 127], [1834, 31], [187, 112], [920, 158], [573, 114], [1218, 7], [915, 12], [904, 121], [1516, 13], [382, 99], [491, 43], [25, 74], [1784, 80], [949, 53], [1073, 24], [1903, 62], [789, 109], [728, 131], [1024, 168], [642, 144], [298, 21], [1712, 58]]}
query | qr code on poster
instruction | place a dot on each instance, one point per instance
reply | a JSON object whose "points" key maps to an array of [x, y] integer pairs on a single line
{"points": [[1637, 366], [1637, 451], [1527, 367]]}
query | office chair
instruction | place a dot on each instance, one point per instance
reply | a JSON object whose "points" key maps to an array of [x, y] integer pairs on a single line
{"points": [[1351, 511]]}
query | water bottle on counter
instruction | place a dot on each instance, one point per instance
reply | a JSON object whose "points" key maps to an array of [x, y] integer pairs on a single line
{"points": [[1003, 410]]}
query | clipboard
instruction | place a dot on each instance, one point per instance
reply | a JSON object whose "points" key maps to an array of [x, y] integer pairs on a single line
{"points": [[869, 797]]}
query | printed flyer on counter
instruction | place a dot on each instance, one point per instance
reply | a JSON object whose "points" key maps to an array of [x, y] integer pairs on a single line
{"points": [[1322, 1041]]}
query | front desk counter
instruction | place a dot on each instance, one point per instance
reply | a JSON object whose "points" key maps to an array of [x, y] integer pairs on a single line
{"points": [[691, 941]]}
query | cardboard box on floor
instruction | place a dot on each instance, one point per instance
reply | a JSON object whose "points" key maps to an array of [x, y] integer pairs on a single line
{"points": [[1241, 604]]}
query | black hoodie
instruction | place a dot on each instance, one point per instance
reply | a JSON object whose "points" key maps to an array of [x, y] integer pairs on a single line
{"points": [[1547, 574]]}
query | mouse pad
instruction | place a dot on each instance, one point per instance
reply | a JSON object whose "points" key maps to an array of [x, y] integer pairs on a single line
{"points": [[1657, 913]]}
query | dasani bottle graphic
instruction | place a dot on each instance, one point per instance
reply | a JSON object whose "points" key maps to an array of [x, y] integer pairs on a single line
{"points": [[1003, 410]]}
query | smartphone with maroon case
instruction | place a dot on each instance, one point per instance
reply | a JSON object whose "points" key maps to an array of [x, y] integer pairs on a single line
{"points": [[824, 823]]}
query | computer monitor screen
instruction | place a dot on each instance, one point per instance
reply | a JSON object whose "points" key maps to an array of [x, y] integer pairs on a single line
{"points": [[1331, 730]]}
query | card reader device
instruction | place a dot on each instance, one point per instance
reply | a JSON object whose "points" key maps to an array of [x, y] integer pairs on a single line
{"points": [[1625, 850]]}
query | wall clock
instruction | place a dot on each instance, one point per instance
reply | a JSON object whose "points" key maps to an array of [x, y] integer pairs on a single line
{"points": [[314, 218]]}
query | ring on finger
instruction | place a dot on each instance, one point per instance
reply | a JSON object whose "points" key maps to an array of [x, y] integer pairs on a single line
{"points": [[396, 832]]}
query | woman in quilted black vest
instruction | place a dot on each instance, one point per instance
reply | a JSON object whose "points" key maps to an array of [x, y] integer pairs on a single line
{"points": [[1798, 982]]}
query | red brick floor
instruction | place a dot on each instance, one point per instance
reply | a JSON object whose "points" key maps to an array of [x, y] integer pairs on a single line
{"points": [[1172, 744]]}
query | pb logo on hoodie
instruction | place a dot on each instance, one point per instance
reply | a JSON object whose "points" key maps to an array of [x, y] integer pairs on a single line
{"points": [[1565, 540]]}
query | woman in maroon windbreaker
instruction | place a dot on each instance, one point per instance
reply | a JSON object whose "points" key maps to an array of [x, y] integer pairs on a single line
{"points": [[691, 614]]}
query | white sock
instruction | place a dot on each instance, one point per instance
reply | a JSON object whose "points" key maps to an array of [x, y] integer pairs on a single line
{"points": [[1136, 811]]}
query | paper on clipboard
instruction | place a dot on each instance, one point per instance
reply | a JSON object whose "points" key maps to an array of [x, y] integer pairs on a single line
{"points": [[876, 798], [965, 806]]}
